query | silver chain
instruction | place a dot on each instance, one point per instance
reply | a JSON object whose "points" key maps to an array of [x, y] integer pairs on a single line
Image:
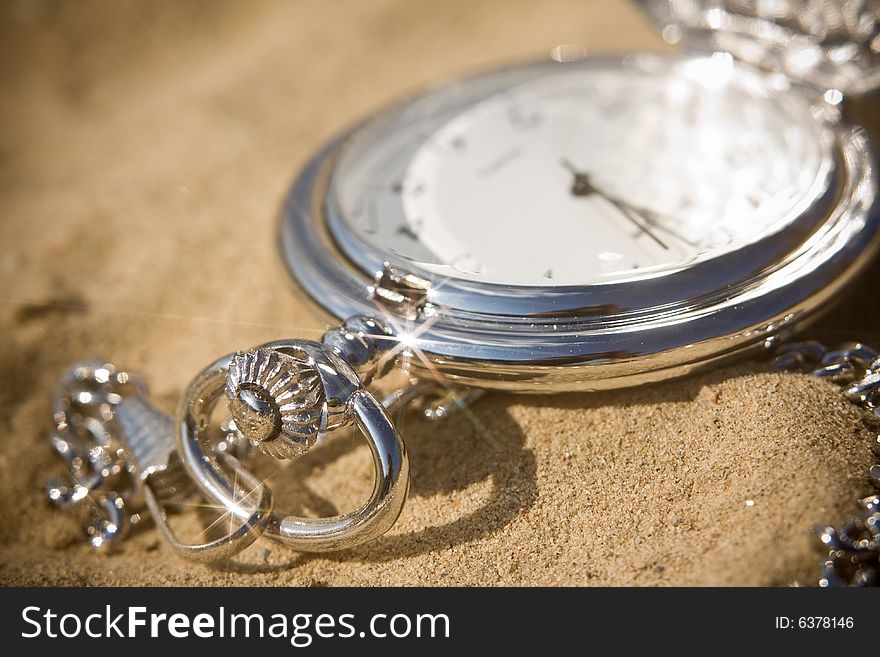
{"points": [[835, 44], [853, 550]]}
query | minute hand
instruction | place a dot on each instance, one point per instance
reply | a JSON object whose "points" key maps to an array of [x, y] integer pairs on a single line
{"points": [[634, 216], [646, 216]]}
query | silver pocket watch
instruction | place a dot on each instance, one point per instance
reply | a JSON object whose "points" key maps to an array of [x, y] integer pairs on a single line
{"points": [[581, 223]]}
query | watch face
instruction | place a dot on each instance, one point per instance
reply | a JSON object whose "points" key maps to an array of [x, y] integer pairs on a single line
{"points": [[582, 174]]}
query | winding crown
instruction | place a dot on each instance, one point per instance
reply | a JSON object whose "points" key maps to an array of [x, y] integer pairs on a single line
{"points": [[276, 400]]}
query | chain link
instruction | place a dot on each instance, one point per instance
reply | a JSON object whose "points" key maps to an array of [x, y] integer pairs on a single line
{"points": [[853, 550]]}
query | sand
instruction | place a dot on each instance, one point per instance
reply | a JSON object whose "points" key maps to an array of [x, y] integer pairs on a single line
{"points": [[144, 153]]}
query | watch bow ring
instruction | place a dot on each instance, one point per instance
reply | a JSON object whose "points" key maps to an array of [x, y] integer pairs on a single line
{"points": [[282, 395]]}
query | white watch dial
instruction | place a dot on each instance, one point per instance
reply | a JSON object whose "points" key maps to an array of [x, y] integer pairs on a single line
{"points": [[591, 175]]}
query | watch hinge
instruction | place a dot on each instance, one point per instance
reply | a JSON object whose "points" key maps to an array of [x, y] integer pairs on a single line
{"points": [[402, 292]]}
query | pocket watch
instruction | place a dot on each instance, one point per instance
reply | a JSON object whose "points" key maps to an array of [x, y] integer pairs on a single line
{"points": [[580, 223]]}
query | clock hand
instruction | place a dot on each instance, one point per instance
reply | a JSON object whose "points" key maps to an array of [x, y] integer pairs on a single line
{"points": [[582, 186], [653, 219], [632, 214]]}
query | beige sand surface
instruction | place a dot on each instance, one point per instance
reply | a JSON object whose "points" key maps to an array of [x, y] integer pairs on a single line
{"points": [[144, 152]]}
